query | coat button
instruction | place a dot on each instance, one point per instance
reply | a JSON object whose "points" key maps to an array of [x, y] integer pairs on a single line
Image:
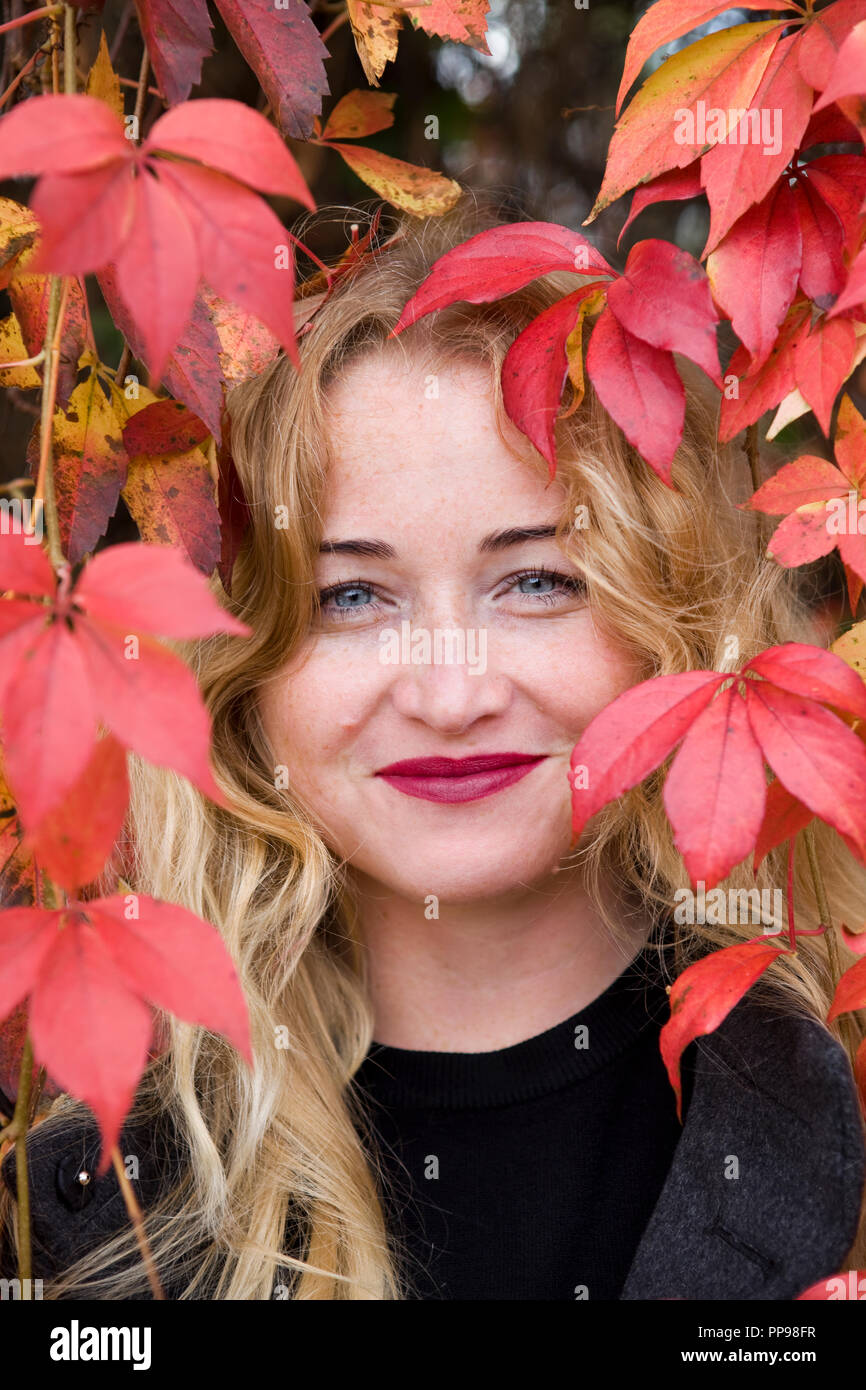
{"points": [[74, 1181]]}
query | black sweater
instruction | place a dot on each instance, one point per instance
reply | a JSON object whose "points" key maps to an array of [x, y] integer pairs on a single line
{"points": [[529, 1172]]}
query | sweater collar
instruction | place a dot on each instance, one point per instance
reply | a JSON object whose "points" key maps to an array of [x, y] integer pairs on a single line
{"points": [[560, 1056]]}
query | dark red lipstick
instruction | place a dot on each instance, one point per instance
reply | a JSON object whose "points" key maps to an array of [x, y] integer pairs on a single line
{"points": [[458, 779]]}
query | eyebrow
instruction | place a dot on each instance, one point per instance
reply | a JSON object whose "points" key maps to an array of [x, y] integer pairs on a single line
{"points": [[495, 541]]}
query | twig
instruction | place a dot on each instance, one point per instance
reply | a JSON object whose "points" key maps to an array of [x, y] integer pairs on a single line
{"points": [[123, 364], [142, 89], [750, 444], [830, 936], [133, 82], [24, 362], [70, 43], [41, 52], [45, 479], [17, 1130], [136, 1218], [120, 32], [334, 25], [47, 12]]}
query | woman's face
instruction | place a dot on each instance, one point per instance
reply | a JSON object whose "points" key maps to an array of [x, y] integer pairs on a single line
{"points": [[424, 558]]}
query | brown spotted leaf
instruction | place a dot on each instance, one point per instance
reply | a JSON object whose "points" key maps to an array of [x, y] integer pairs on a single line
{"points": [[90, 466]]}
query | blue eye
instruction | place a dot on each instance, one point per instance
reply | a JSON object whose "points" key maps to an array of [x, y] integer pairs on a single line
{"points": [[339, 600]]}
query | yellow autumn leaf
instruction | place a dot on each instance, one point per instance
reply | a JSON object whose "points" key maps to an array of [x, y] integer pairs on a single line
{"points": [[102, 80], [13, 349], [89, 466], [360, 113], [376, 31], [722, 70], [574, 349], [18, 232], [419, 191], [851, 646]]}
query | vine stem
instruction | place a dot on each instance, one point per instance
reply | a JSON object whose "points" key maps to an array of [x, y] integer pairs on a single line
{"points": [[41, 52], [45, 493], [18, 1127], [830, 934], [25, 361], [751, 447], [70, 84], [142, 88], [135, 1216], [334, 25], [47, 12]]}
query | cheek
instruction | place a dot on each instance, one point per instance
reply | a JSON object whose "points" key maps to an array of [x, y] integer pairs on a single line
{"points": [[308, 714], [584, 676]]}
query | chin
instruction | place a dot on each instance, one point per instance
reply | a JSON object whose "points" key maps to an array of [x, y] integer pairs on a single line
{"points": [[467, 874]]}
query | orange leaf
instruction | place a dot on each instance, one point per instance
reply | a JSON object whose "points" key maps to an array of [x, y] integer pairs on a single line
{"points": [[360, 113]]}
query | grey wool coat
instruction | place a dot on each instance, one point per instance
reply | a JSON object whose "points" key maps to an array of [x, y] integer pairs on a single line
{"points": [[762, 1198]]}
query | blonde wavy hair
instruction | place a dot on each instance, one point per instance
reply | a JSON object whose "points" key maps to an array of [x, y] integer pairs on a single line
{"points": [[279, 1186]]}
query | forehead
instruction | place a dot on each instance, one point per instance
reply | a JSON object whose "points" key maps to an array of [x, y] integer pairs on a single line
{"points": [[408, 433]]}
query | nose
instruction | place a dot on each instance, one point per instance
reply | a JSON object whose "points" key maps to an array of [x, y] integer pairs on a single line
{"points": [[444, 677]]}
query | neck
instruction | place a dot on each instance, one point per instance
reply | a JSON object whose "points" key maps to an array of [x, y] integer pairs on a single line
{"points": [[486, 975]]}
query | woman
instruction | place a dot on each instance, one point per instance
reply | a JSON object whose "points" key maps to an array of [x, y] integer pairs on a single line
{"points": [[458, 1091]]}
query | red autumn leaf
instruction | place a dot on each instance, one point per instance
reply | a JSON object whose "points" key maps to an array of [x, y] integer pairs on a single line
{"points": [[670, 19], [664, 125], [105, 200], [641, 390], [829, 127], [462, 21], [840, 179], [741, 171], [704, 995], [233, 139], [763, 250], [824, 503], [90, 466], [497, 262], [237, 236], [615, 757], [847, 76], [822, 272], [804, 670], [73, 841], [13, 1035], [674, 186], [178, 38], [281, 44], [814, 755], [95, 961], [854, 292], [822, 38], [164, 427], [68, 665], [663, 297], [784, 818], [715, 791], [285, 51], [535, 368], [848, 1283], [762, 385], [822, 362]]}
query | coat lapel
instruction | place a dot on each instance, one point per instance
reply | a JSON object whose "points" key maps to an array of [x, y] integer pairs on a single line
{"points": [[763, 1195]]}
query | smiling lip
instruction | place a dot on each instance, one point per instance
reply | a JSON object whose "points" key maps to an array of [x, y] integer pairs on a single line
{"points": [[458, 779]]}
